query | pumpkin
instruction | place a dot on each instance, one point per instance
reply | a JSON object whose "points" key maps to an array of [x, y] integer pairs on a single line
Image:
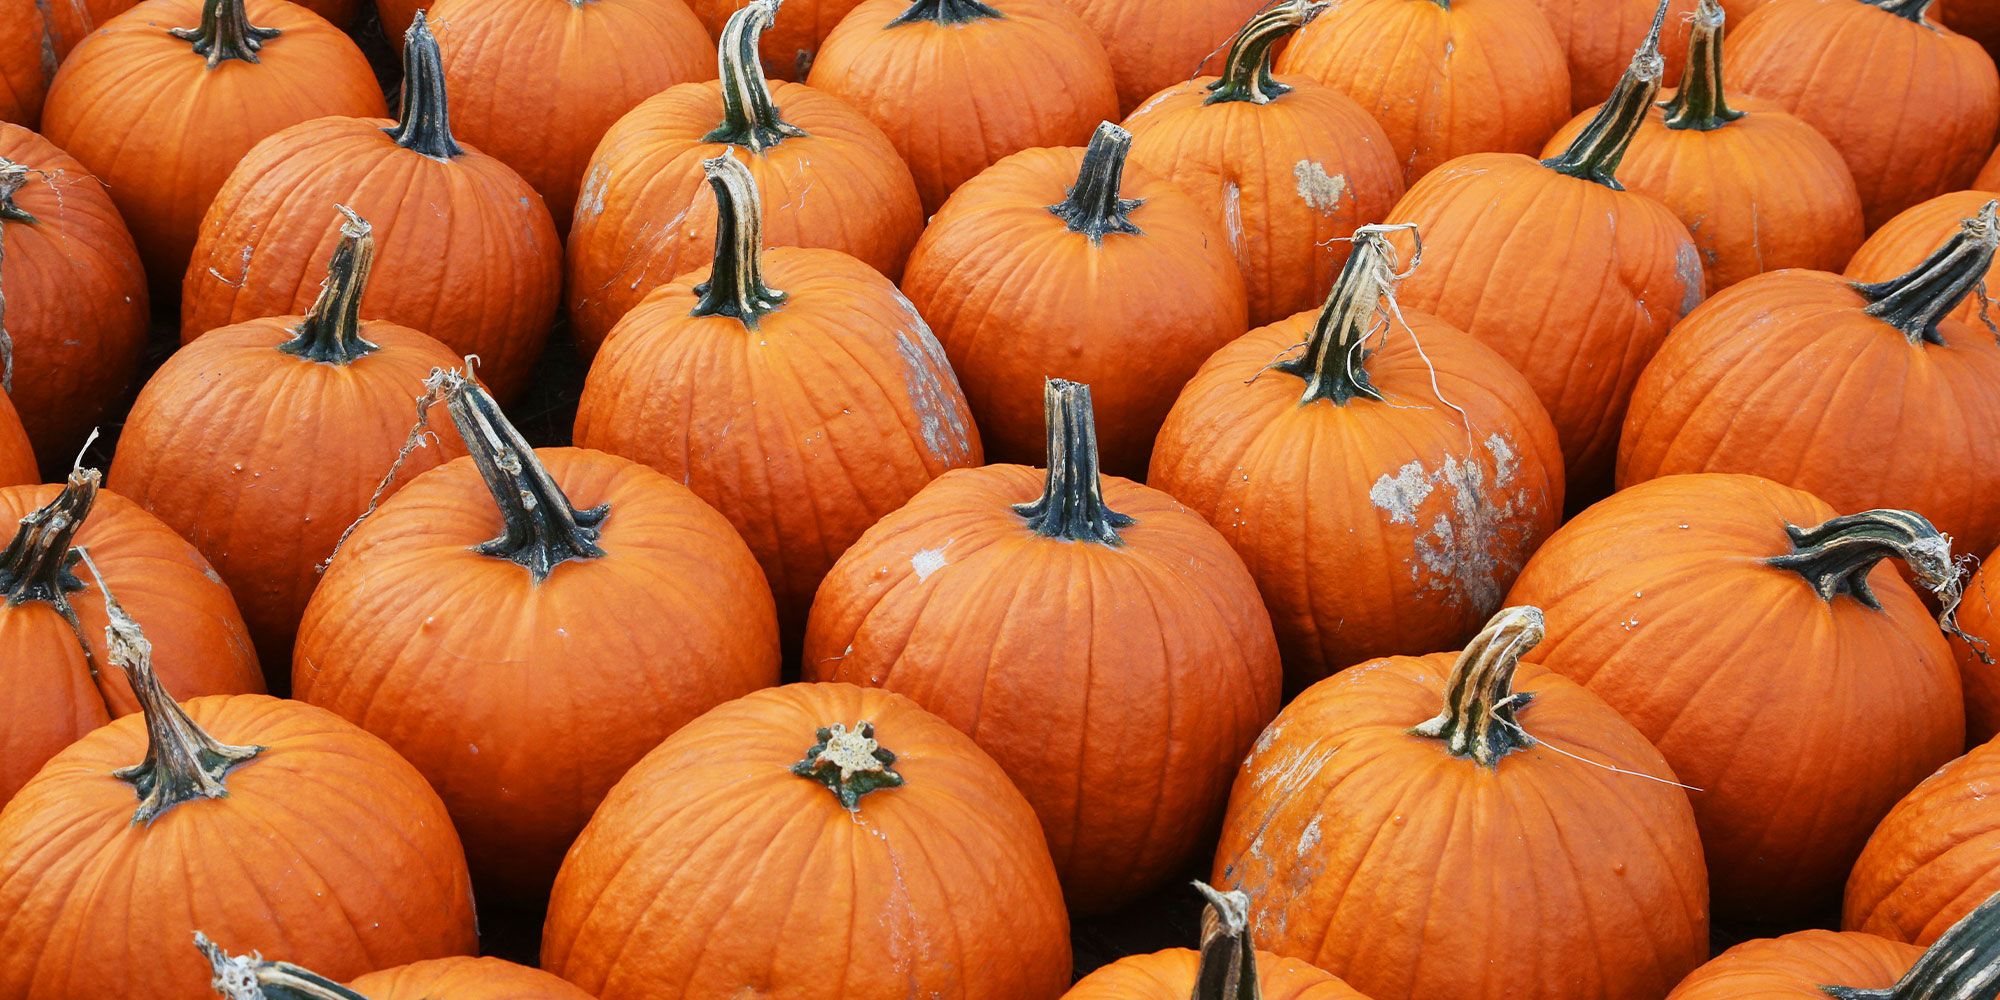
{"points": [[1344, 475], [1572, 278], [1525, 811], [1815, 964], [479, 268], [448, 625], [1904, 399], [1287, 167], [1751, 634], [841, 400], [60, 684], [1934, 857], [268, 822], [73, 302], [643, 218], [250, 977], [1979, 618], [24, 73], [1597, 35], [1978, 20], [1844, 67], [66, 23], [1101, 641], [787, 49], [1915, 234], [17, 455], [1443, 77], [1758, 188], [1061, 262], [1155, 44], [896, 847], [1226, 967], [538, 82], [921, 69], [261, 442], [162, 116]]}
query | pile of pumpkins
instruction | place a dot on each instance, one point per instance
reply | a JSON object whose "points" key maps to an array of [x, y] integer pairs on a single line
{"points": [[1494, 484]]}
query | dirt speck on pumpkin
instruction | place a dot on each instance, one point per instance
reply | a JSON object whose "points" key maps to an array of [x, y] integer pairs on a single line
{"points": [[1320, 190]]}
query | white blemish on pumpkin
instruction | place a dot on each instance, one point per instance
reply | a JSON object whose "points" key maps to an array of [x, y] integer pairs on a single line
{"points": [[594, 186], [1687, 269], [928, 561], [933, 389], [1232, 215], [1309, 838], [243, 272], [1402, 493], [1320, 190], [1471, 549]]}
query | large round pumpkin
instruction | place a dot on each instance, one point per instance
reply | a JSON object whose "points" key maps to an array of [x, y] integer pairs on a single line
{"points": [[1383, 492], [479, 267], [1599, 35], [1288, 168], [1155, 44], [1227, 966], [1102, 642], [1915, 234], [1979, 656], [790, 46], [644, 217], [815, 842], [250, 977], [523, 649], [1815, 964], [1753, 636], [1934, 857], [1501, 797]]}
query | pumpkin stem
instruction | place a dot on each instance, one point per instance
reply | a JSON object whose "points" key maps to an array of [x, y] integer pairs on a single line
{"points": [[1837, 556], [426, 124], [1595, 152], [1072, 502], [749, 118], [1246, 71], [1334, 364], [249, 977], [1228, 969], [1915, 301], [13, 177], [331, 331], [946, 12], [735, 285], [225, 33], [1480, 704], [1908, 10], [544, 530], [1963, 964], [849, 762], [37, 564], [1699, 104], [1093, 207]]}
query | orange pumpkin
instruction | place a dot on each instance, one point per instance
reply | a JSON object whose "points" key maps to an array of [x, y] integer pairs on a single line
{"points": [[1934, 857], [1344, 475], [1751, 634], [479, 267], [1508, 797], [261, 442], [1904, 400], [1572, 278], [1758, 189], [17, 456], [1055, 262], [162, 116], [1226, 967], [24, 72], [1102, 642], [1815, 964], [634, 611], [1915, 234], [1845, 67], [239, 977], [917, 868], [538, 82], [68, 22], [788, 48], [1155, 44], [267, 822], [841, 400], [1443, 77], [1979, 618], [1597, 35], [922, 70], [1287, 168]]}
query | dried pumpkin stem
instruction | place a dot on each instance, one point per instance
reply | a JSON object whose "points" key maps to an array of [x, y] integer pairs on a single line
{"points": [[1596, 151], [37, 564], [1837, 556], [849, 762], [331, 331], [735, 285], [1246, 71], [1909, 10], [1228, 969], [1479, 718], [1699, 104], [1914, 302], [426, 123], [1072, 503], [1334, 364], [225, 33], [249, 977], [1963, 964], [946, 12], [749, 117], [1094, 207], [13, 177]]}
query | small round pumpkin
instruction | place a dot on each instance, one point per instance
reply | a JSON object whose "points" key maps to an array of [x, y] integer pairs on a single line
{"points": [[1028, 72], [1915, 234], [1101, 641], [1502, 798], [479, 267], [1978, 671], [644, 217], [1227, 966], [789, 48], [1288, 168], [1934, 857], [1816, 964], [901, 845], [1155, 44], [1596, 36], [240, 977]]}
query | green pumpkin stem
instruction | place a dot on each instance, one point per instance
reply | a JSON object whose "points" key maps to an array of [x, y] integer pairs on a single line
{"points": [[331, 331], [249, 977], [1246, 71], [1093, 206], [1228, 969], [1963, 964], [849, 762], [1836, 557], [1699, 104], [946, 12], [735, 286], [1596, 151], [1914, 302], [1908, 10], [1334, 365], [1479, 718], [749, 117], [1072, 503], [225, 33], [426, 123]]}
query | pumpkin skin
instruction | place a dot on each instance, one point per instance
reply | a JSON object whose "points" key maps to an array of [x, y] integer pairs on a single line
{"points": [[1598, 38], [465, 979], [162, 129], [1979, 617], [1759, 708], [1844, 67], [1151, 652], [24, 76], [790, 47], [17, 455], [536, 83], [1287, 168], [1154, 44], [922, 70], [76, 299], [67, 23], [878, 874], [1795, 966], [1370, 522], [1474, 76], [1914, 234], [675, 601], [1523, 836], [1933, 858]]}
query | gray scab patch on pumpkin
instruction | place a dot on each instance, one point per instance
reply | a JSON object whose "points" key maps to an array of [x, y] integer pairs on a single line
{"points": [[1320, 190], [1687, 267], [1470, 550], [591, 204], [933, 389]]}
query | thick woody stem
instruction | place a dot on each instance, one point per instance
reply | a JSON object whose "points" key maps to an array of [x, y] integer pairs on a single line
{"points": [[1072, 505], [225, 33], [1479, 720]]}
